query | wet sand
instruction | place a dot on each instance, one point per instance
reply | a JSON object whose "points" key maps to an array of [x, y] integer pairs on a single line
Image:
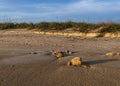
{"points": [[20, 67]]}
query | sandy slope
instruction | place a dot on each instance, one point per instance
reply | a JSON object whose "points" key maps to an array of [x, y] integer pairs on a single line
{"points": [[18, 67]]}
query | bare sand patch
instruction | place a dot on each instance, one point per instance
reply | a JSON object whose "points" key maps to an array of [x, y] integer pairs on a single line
{"points": [[25, 60]]}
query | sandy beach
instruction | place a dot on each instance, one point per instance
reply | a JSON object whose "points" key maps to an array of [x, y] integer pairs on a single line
{"points": [[20, 67]]}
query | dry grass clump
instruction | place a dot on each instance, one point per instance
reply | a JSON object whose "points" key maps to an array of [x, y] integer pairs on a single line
{"points": [[60, 54], [76, 61], [113, 54], [57, 54]]}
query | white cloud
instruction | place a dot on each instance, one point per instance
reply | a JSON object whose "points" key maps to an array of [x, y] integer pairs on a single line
{"points": [[52, 10], [81, 6], [89, 6]]}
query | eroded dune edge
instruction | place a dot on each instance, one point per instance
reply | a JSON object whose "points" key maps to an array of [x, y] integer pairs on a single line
{"points": [[67, 34], [109, 35]]}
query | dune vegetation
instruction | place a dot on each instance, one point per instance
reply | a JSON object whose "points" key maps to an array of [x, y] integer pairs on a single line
{"points": [[61, 26]]}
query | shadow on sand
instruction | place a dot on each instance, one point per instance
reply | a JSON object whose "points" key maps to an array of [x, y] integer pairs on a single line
{"points": [[99, 61], [64, 54]]}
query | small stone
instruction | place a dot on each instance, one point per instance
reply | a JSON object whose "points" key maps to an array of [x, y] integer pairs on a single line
{"points": [[34, 53], [12, 66]]}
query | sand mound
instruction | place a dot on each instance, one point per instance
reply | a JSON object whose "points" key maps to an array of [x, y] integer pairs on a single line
{"points": [[113, 54]]}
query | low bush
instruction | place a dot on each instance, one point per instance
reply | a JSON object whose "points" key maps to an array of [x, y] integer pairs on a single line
{"points": [[75, 26]]}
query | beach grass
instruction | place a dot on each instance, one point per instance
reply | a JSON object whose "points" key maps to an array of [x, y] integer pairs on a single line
{"points": [[59, 26]]}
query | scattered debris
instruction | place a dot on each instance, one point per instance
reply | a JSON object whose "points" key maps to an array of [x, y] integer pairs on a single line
{"points": [[77, 61], [113, 54], [60, 54], [57, 54]]}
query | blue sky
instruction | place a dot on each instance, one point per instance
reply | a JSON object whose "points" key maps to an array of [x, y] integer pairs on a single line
{"points": [[59, 10]]}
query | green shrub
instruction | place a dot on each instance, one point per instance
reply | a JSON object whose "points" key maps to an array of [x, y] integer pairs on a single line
{"points": [[42, 26], [6, 26], [75, 26], [111, 28]]}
